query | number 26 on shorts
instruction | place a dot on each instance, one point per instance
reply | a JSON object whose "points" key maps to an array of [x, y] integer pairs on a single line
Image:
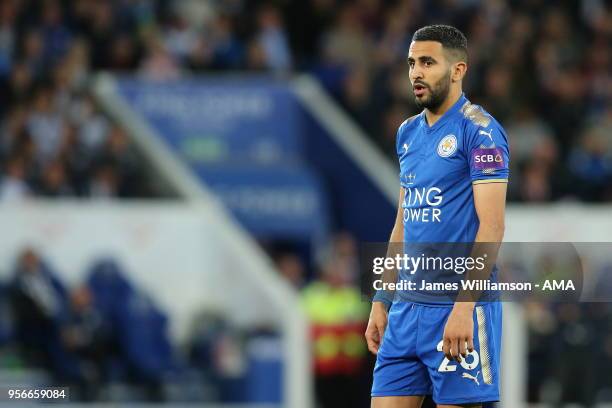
{"points": [[446, 365]]}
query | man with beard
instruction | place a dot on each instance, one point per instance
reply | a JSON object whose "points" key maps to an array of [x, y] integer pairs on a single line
{"points": [[454, 171]]}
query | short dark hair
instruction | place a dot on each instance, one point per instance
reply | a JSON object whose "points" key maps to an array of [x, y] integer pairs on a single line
{"points": [[450, 37]]}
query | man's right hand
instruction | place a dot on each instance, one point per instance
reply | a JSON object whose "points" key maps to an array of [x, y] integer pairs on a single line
{"points": [[376, 326]]}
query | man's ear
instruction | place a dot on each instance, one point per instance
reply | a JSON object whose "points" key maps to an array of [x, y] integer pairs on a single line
{"points": [[458, 71]]}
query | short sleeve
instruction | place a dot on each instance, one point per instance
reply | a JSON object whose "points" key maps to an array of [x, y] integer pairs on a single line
{"points": [[488, 154]]}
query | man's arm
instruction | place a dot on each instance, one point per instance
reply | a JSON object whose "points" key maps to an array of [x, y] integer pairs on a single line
{"points": [[397, 234], [490, 204], [378, 315]]}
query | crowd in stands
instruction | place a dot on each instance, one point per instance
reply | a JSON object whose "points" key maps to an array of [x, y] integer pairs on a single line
{"points": [[54, 140], [540, 67]]}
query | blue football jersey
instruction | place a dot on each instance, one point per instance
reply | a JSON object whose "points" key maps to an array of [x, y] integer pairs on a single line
{"points": [[439, 164]]}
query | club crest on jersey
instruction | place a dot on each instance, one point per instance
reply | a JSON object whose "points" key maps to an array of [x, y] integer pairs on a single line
{"points": [[447, 146]]}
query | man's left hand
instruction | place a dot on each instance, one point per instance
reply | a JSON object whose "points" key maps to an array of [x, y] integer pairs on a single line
{"points": [[459, 332]]}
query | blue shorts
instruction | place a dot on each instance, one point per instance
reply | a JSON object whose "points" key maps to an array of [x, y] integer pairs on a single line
{"points": [[410, 359]]}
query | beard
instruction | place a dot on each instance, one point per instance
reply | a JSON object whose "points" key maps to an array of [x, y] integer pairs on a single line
{"points": [[437, 94]]}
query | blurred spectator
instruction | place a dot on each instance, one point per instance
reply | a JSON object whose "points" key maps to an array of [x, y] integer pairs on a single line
{"points": [[105, 182], [56, 35], [93, 126], [591, 165], [535, 184], [357, 97], [530, 137], [40, 310], [228, 51], [85, 327], [498, 82], [255, 56], [54, 182], [179, 37], [32, 52], [273, 40], [292, 269], [13, 186], [97, 23], [200, 55], [87, 336], [347, 44], [396, 37], [158, 63], [124, 54], [17, 87], [338, 318], [8, 14], [45, 124], [118, 154]]}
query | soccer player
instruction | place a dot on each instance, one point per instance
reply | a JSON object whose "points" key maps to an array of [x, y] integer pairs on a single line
{"points": [[454, 170]]}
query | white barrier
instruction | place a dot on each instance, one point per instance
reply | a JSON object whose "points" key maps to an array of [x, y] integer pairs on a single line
{"points": [[174, 252]]}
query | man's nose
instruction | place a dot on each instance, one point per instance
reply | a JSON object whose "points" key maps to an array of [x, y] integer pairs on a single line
{"points": [[416, 73]]}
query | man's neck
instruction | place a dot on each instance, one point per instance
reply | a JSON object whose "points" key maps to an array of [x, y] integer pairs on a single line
{"points": [[451, 99]]}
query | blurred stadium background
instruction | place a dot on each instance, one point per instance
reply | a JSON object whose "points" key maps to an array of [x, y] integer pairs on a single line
{"points": [[186, 183]]}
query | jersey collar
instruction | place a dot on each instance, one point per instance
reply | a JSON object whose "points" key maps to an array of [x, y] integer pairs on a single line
{"points": [[448, 114]]}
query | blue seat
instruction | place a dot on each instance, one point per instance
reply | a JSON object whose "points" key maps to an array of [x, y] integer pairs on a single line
{"points": [[109, 287], [138, 326], [144, 338]]}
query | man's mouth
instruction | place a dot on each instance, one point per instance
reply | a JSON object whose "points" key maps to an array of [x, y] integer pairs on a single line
{"points": [[419, 89]]}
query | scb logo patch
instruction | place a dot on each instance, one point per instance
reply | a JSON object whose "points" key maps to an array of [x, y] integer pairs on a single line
{"points": [[447, 146], [487, 158]]}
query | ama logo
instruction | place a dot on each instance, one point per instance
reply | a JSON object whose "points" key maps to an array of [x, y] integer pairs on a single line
{"points": [[422, 204]]}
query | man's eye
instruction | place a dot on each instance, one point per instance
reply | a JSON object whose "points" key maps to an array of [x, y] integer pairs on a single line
{"points": [[428, 63]]}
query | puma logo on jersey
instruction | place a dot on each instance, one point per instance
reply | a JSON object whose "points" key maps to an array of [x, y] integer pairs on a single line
{"points": [[482, 132], [406, 147], [471, 377]]}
